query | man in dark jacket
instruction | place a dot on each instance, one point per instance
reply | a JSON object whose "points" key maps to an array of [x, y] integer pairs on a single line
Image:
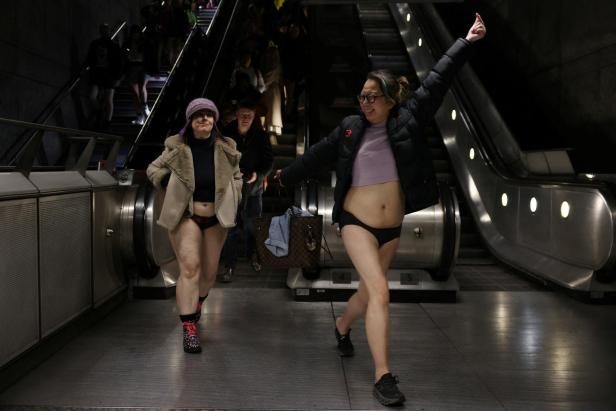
{"points": [[256, 163]]}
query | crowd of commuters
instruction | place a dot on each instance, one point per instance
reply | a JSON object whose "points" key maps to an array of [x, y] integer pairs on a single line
{"points": [[214, 180], [148, 48]]}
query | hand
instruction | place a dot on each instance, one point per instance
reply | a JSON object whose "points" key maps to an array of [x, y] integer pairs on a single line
{"points": [[277, 175], [477, 30], [252, 178]]}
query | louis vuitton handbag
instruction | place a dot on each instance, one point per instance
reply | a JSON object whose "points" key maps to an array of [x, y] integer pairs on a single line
{"points": [[304, 242]]}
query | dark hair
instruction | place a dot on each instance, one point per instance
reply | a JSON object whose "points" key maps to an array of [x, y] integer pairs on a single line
{"points": [[395, 89], [248, 103]]}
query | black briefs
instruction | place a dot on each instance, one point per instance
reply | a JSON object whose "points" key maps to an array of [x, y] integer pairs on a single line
{"points": [[382, 235], [204, 222]]}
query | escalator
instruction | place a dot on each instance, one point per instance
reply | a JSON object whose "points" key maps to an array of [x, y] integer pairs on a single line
{"points": [[558, 229]]}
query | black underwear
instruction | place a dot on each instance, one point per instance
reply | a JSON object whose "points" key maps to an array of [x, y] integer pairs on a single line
{"points": [[382, 235], [204, 222]]}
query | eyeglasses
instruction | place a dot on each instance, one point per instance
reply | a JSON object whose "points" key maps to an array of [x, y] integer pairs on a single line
{"points": [[368, 98]]}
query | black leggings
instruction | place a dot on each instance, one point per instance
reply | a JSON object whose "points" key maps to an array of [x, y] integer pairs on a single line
{"points": [[382, 235]]}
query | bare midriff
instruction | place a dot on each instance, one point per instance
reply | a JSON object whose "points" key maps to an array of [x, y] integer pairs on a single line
{"points": [[377, 205], [203, 209]]}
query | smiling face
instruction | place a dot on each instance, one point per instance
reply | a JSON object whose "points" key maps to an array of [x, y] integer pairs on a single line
{"points": [[202, 123], [377, 111]]}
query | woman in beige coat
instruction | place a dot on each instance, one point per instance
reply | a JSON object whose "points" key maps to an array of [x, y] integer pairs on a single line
{"points": [[199, 171]]}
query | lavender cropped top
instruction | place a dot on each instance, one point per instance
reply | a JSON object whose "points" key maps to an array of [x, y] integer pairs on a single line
{"points": [[374, 163]]}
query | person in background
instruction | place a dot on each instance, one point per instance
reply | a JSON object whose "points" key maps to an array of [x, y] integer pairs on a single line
{"points": [[105, 65], [199, 171], [383, 171], [256, 163], [134, 49]]}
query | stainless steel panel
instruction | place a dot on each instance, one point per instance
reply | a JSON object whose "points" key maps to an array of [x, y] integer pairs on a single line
{"points": [[108, 271], [534, 227], [124, 239], [65, 258], [414, 251], [583, 234], [12, 184], [564, 250], [19, 314], [100, 178], [54, 181]]}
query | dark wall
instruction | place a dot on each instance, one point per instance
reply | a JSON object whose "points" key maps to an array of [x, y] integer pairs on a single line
{"points": [[551, 67], [42, 44]]}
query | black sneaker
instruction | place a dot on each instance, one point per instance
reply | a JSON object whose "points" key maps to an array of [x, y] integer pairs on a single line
{"points": [[345, 346], [190, 333], [387, 392]]}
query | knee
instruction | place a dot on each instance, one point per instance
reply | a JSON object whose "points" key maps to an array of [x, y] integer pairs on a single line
{"points": [[190, 271], [379, 296]]}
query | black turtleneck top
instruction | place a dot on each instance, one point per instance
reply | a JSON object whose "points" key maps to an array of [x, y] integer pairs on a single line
{"points": [[203, 161]]}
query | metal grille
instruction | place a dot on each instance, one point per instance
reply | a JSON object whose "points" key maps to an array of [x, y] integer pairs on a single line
{"points": [[65, 258], [18, 273]]}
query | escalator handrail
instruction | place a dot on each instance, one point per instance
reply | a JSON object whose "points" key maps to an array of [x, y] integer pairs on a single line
{"points": [[52, 107], [144, 129], [25, 160], [220, 44]]}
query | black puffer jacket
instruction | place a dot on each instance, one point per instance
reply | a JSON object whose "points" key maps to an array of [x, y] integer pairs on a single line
{"points": [[405, 130]]}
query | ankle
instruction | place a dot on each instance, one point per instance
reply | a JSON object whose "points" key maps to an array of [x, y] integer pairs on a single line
{"points": [[379, 373], [340, 326]]}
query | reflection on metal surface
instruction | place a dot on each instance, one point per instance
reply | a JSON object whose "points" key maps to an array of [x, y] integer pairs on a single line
{"points": [[533, 205], [454, 115], [564, 209], [564, 250]]}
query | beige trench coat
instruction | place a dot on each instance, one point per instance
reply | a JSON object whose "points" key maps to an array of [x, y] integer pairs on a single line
{"points": [[177, 160]]}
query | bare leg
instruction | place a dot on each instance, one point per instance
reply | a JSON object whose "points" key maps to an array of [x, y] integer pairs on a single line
{"points": [[363, 250], [213, 241], [186, 241], [357, 304]]}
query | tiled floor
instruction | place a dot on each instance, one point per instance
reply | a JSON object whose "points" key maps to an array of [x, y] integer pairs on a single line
{"points": [[492, 350]]}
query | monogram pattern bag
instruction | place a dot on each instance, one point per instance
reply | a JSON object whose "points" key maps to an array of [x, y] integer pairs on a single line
{"points": [[304, 242]]}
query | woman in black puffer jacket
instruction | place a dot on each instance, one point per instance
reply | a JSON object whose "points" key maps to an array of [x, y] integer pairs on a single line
{"points": [[383, 171]]}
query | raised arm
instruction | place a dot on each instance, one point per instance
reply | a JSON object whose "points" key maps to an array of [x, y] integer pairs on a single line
{"points": [[428, 97]]}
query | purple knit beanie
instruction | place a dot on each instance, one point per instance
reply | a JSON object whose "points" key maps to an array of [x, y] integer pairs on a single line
{"points": [[201, 104], [196, 105]]}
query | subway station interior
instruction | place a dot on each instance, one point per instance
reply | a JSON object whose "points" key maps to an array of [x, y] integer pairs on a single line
{"points": [[502, 294]]}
